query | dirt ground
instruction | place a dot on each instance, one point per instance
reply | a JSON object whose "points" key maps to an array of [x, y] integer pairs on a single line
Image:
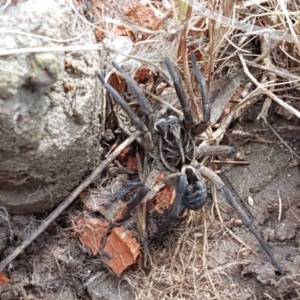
{"points": [[199, 258]]}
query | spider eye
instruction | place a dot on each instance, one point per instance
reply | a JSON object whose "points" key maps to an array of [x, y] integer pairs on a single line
{"points": [[165, 126], [173, 121], [161, 126]]}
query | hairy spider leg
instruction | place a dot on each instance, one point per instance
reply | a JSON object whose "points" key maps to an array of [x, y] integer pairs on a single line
{"points": [[180, 188], [220, 185], [138, 94], [148, 186], [146, 139], [137, 200], [201, 126], [184, 99], [182, 96]]}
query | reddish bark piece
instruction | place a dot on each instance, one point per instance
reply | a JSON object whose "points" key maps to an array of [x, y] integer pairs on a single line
{"points": [[165, 199], [160, 178], [123, 31], [91, 232], [117, 82], [132, 163], [144, 77], [121, 250], [3, 278], [143, 15], [124, 155]]}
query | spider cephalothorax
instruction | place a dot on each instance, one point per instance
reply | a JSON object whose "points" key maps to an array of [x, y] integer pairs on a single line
{"points": [[171, 141]]}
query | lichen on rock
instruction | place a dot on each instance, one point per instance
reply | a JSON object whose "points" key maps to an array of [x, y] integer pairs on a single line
{"points": [[49, 135]]}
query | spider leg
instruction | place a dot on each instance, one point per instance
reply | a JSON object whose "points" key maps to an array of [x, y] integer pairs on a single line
{"points": [[137, 200], [122, 193], [204, 90], [138, 94], [149, 190], [164, 161], [180, 182], [146, 139], [183, 98], [220, 185]]}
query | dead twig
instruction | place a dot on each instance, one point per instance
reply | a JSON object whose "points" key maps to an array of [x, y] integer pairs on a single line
{"points": [[267, 92], [61, 207], [231, 162], [278, 71], [268, 77], [281, 139], [267, 51]]}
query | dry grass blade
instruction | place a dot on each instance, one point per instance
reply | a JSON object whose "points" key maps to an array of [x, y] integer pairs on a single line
{"points": [[214, 194], [248, 28], [267, 92], [278, 71]]}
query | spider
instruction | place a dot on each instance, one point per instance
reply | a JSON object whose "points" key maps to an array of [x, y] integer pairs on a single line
{"points": [[171, 141]]}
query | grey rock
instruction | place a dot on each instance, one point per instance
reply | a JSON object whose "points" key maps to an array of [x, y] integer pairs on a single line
{"points": [[49, 134]]}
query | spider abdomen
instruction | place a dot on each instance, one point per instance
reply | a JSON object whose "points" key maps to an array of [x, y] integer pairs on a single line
{"points": [[195, 194]]}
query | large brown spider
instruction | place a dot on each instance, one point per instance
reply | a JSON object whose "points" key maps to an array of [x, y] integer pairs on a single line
{"points": [[171, 142]]}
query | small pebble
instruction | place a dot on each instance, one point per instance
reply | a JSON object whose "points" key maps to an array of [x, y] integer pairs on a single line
{"points": [[132, 128], [238, 222], [245, 252], [240, 155]]}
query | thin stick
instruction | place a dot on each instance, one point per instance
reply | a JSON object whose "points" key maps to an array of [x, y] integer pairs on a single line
{"points": [[61, 207], [205, 253], [88, 47], [165, 103], [278, 71], [267, 51], [231, 162], [282, 140], [5, 5], [267, 92], [280, 206]]}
